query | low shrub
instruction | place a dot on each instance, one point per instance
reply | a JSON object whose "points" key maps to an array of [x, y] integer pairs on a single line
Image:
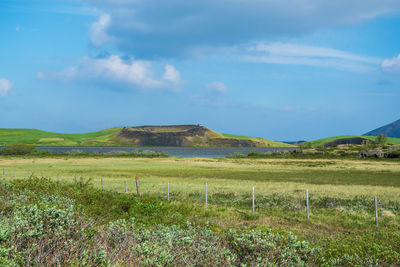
{"points": [[18, 149], [52, 230], [43, 222]]}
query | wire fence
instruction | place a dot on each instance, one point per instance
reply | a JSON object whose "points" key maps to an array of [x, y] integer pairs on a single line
{"points": [[266, 201]]}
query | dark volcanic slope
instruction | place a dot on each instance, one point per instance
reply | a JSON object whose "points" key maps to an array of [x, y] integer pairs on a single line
{"points": [[182, 135], [162, 135], [348, 141], [390, 130]]}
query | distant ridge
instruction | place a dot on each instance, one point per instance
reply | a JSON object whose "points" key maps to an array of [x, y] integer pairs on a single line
{"points": [[390, 130]]}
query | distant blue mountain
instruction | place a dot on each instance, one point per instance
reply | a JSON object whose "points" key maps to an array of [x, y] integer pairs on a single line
{"points": [[390, 130]]}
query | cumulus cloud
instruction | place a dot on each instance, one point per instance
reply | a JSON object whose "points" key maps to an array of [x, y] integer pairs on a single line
{"points": [[116, 71], [98, 33], [162, 28], [295, 54], [5, 87], [391, 65], [171, 75], [218, 87]]}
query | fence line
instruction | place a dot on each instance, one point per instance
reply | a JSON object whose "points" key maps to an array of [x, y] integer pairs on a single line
{"points": [[206, 194]]}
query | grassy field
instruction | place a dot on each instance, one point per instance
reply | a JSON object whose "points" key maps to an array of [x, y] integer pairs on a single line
{"points": [[341, 196], [333, 178], [322, 141]]}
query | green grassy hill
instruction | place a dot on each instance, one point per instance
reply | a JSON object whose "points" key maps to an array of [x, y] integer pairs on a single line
{"points": [[43, 138], [322, 141], [266, 142], [112, 137]]}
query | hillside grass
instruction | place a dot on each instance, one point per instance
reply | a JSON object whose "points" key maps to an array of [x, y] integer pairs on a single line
{"points": [[315, 143], [263, 141], [43, 138], [341, 195], [107, 137]]}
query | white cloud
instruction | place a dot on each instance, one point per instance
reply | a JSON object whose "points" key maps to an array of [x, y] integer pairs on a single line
{"points": [[115, 70], [295, 50], [295, 54], [391, 65], [218, 87], [5, 87], [171, 75], [155, 28], [98, 34]]}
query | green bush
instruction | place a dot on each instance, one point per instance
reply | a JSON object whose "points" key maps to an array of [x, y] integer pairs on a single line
{"points": [[381, 139], [18, 149]]}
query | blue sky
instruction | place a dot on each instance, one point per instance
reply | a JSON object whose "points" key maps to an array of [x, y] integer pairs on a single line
{"points": [[279, 69]]}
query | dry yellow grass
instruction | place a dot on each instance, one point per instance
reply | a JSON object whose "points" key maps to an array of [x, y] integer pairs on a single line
{"points": [[51, 139], [155, 173]]}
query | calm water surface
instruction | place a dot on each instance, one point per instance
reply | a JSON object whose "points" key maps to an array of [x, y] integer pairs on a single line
{"points": [[186, 152]]}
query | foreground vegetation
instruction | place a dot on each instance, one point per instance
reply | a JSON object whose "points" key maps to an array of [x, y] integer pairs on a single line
{"points": [[153, 231], [45, 222]]}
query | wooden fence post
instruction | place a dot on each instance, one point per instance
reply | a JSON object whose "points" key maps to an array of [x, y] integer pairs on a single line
{"points": [[137, 185], [308, 206], [168, 191], [126, 188], [206, 195], [75, 178], [15, 174], [253, 200], [102, 184], [27, 174], [58, 177], [4, 173], [376, 213]]}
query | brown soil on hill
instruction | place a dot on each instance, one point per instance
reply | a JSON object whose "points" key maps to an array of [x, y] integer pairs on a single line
{"points": [[348, 141], [179, 135]]}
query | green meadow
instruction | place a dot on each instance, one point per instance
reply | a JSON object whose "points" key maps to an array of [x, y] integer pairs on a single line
{"points": [[342, 223]]}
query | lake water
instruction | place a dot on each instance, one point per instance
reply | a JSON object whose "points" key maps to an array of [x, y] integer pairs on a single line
{"points": [[186, 152]]}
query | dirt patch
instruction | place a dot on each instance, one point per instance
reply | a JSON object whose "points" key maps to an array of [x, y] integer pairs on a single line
{"points": [[51, 140]]}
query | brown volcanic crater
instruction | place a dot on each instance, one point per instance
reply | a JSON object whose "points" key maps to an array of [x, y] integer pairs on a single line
{"points": [[178, 135]]}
